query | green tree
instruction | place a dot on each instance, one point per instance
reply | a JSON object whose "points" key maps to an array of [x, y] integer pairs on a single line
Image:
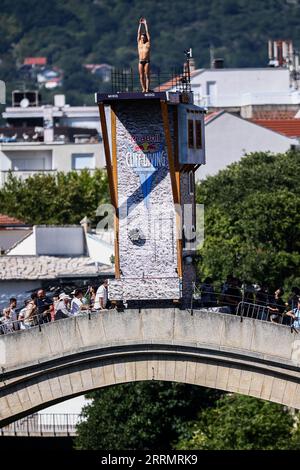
{"points": [[242, 423], [145, 415], [252, 218], [64, 198]]}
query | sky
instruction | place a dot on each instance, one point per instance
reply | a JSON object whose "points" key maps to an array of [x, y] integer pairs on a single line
{"points": [[69, 406]]}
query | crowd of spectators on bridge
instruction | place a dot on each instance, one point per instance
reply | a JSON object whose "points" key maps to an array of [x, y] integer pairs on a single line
{"points": [[40, 308], [250, 300], [233, 297]]}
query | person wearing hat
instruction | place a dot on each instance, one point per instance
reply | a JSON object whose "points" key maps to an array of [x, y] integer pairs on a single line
{"points": [[63, 307], [6, 323], [295, 314]]}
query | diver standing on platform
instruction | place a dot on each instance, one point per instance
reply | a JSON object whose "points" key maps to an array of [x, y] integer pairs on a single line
{"points": [[143, 40]]}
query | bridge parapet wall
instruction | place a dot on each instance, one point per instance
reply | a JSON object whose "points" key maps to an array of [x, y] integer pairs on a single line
{"points": [[154, 326]]}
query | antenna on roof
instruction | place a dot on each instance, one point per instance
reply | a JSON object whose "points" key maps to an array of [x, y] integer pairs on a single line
{"points": [[212, 55], [188, 53], [186, 76]]}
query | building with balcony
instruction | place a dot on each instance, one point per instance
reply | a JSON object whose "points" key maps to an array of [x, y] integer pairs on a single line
{"points": [[47, 139], [24, 159]]}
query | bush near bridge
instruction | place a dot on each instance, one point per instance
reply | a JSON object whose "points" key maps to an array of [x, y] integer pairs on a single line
{"points": [[164, 416], [238, 422], [252, 220], [144, 415], [64, 198]]}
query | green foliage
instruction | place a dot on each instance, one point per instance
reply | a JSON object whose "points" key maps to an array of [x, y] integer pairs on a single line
{"points": [[64, 198], [145, 415], [105, 31], [252, 220], [242, 423]]}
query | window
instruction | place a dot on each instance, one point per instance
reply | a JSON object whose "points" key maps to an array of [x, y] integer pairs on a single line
{"points": [[28, 164], [198, 134], [211, 89], [191, 133], [81, 161], [191, 183]]}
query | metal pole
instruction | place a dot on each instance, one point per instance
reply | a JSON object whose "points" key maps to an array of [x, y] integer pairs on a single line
{"points": [[242, 311], [192, 299]]}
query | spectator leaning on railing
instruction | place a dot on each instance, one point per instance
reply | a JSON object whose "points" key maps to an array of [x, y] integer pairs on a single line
{"points": [[62, 308], [295, 314], [6, 324], [77, 305], [12, 312], [27, 316], [293, 299], [43, 304], [277, 306], [101, 296]]}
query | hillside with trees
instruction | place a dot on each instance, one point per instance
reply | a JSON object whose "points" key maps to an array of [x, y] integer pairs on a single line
{"points": [[73, 33]]}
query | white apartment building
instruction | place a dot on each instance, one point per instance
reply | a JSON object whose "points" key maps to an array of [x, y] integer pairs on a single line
{"points": [[224, 88], [243, 89], [24, 159], [49, 139], [66, 115], [228, 137]]}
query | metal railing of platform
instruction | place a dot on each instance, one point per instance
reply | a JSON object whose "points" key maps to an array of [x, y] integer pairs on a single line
{"points": [[44, 425]]}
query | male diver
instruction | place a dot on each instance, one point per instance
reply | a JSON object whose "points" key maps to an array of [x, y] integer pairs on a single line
{"points": [[143, 40]]}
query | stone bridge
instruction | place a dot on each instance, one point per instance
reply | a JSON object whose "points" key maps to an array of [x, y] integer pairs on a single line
{"points": [[40, 367]]}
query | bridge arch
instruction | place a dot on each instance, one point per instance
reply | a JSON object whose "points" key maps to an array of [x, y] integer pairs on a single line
{"points": [[73, 356]]}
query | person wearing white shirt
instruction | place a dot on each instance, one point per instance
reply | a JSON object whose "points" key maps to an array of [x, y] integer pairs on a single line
{"points": [[295, 314], [13, 312], [77, 305], [101, 296], [62, 308]]}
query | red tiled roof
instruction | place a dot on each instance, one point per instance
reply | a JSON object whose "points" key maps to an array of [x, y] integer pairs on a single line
{"points": [[210, 116], [273, 114], [35, 61], [288, 127], [172, 82], [6, 220]]}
